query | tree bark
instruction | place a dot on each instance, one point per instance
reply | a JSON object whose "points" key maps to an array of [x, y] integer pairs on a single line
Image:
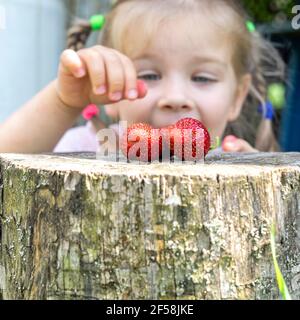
{"points": [[76, 227]]}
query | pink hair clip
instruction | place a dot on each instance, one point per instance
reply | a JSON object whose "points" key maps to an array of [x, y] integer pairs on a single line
{"points": [[90, 112]]}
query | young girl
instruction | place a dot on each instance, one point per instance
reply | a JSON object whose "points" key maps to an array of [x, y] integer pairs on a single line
{"points": [[197, 58]]}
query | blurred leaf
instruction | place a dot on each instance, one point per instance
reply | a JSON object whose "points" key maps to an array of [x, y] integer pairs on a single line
{"points": [[279, 277], [264, 11]]}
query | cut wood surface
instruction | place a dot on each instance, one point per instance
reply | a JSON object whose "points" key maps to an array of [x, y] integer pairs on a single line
{"points": [[76, 227]]}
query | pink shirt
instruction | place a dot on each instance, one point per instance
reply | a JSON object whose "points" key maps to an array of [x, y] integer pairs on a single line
{"points": [[81, 139]]}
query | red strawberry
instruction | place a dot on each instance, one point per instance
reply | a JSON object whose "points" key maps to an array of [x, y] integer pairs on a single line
{"points": [[142, 142], [188, 139], [191, 140]]}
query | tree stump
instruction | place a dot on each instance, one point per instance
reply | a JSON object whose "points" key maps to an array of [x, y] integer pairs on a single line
{"points": [[76, 227]]}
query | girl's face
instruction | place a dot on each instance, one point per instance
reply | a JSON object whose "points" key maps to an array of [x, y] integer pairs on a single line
{"points": [[188, 74]]}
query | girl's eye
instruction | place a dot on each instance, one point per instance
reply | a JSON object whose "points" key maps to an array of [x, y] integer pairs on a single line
{"points": [[203, 79], [150, 77]]}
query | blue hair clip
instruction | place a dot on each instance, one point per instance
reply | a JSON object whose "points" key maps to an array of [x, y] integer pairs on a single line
{"points": [[268, 111]]}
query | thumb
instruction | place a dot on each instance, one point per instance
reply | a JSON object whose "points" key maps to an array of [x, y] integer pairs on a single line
{"points": [[233, 144]]}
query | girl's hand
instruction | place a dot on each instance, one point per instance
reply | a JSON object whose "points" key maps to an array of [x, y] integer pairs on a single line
{"points": [[96, 75], [233, 144]]}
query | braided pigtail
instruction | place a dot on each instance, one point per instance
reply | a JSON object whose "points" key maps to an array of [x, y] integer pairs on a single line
{"points": [[79, 33], [268, 67], [265, 65]]}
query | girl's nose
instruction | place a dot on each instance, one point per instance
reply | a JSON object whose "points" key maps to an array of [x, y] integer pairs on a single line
{"points": [[175, 104], [174, 99]]}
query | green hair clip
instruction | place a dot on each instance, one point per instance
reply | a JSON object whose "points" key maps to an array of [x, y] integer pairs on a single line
{"points": [[250, 26], [97, 22]]}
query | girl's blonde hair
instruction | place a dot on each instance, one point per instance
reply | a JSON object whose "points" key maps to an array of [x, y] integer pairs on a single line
{"points": [[251, 52]]}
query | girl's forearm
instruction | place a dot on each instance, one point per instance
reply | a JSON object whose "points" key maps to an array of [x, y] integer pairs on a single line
{"points": [[39, 124]]}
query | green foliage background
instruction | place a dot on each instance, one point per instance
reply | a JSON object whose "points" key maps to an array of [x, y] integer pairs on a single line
{"points": [[263, 11]]}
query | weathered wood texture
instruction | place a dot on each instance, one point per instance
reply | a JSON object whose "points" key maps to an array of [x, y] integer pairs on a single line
{"points": [[73, 227]]}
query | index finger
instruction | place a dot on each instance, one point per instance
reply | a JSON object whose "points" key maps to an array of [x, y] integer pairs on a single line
{"points": [[71, 62]]}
